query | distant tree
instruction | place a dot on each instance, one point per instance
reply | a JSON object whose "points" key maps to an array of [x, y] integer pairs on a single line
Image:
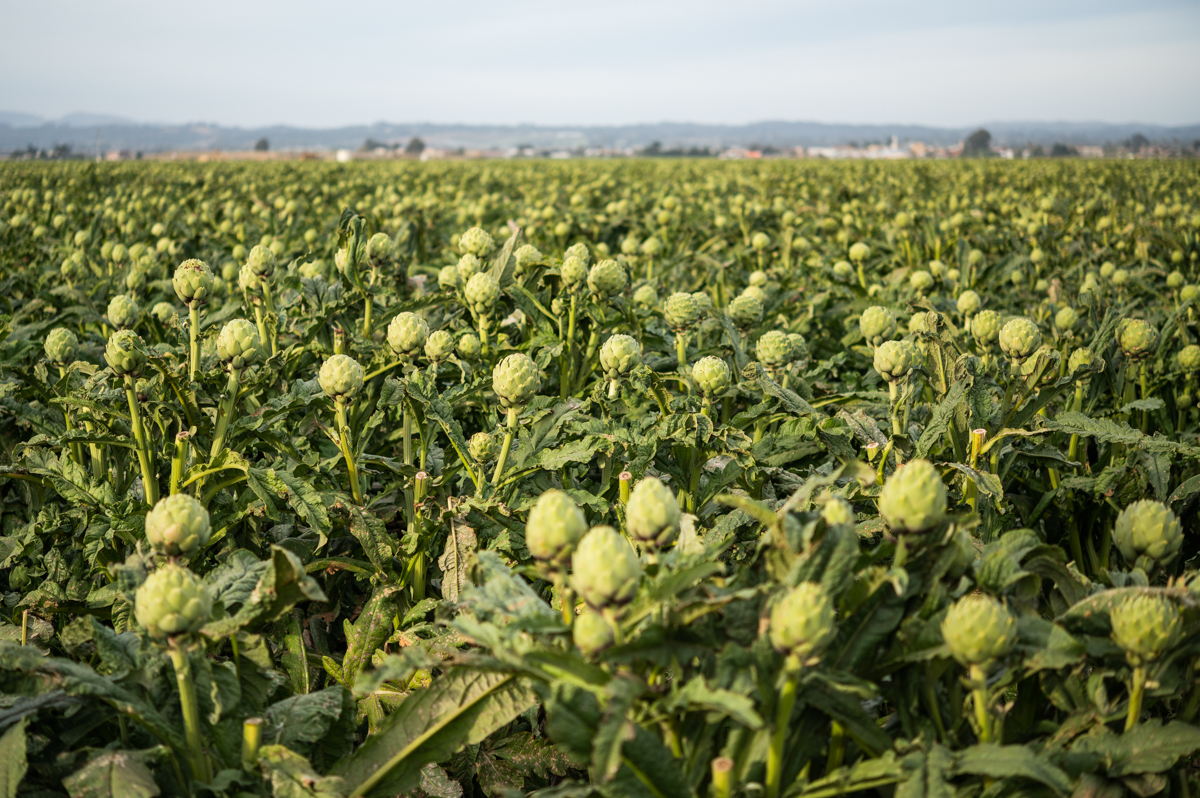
{"points": [[1138, 142], [977, 144], [414, 147], [262, 145], [654, 149], [1060, 150], [370, 145]]}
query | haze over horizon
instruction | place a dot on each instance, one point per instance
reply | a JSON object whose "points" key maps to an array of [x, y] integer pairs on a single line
{"points": [[543, 63]]}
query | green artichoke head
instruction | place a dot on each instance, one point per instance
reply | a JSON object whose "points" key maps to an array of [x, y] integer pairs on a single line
{"points": [[760, 241], [238, 344], [61, 346], [1145, 626], [985, 328], [440, 346], [407, 334], [803, 622], [1189, 358], [773, 349], [178, 526], [745, 311], [711, 375], [652, 514], [482, 293], [969, 303], [605, 569], [877, 325], [555, 527], [979, 630], [484, 447], [469, 347], [837, 511], [125, 353], [1137, 339], [261, 262], [123, 312], [681, 311], [379, 249], [172, 601], [164, 312], [1020, 338], [645, 296], [468, 266], [859, 252], [1148, 529], [620, 355], [894, 359], [516, 380], [591, 634], [574, 272], [607, 279], [477, 242], [341, 377], [449, 279], [914, 497], [1066, 319], [193, 282]]}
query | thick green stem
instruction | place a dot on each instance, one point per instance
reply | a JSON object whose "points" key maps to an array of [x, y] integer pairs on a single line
{"points": [[225, 412], [722, 777], [251, 739], [368, 307], [201, 769], [681, 358], [194, 337], [783, 713], [508, 438], [149, 479], [1137, 691], [570, 371], [979, 697], [179, 461], [837, 738], [348, 452], [261, 322]]}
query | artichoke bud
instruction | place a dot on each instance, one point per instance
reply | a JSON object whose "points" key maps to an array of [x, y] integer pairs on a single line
{"points": [[979, 630], [448, 278], [123, 312], [968, 303], [592, 634], [164, 312], [681, 311], [773, 349], [606, 570], [985, 328], [555, 527], [1189, 358], [469, 347], [877, 325], [711, 375], [1019, 339], [379, 249], [1148, 529], [61, 346], [407, 334], [477, 242], [803, 622], [178, 526], [341, 377], [1137, 339], [124, 353], [483, 446], [606, 279], [172, 601], [894, 359], [516, 380], [482, 293], [620, 355], [652, 514], [914, 498], [440, 346], [1145, 627], [261, 262], [238, 343], [745, 311]]}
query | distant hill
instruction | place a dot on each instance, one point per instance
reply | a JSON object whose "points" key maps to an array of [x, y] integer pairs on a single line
{"points": [[17, 131]]}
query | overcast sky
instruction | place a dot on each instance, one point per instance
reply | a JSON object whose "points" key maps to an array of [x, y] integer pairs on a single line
{"points": [[562, 62]]}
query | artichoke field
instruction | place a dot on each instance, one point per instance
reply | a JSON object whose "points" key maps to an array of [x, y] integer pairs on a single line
{"points": [[620, 479]]}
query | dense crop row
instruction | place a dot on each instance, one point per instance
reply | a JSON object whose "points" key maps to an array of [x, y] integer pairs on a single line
{"points": [[638, 479]]}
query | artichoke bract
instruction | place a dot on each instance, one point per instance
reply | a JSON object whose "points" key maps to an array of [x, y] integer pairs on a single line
{"points": [[178, 526], [477, 242], [1137, 339], [124, 353], [483, 446], [61, 346], [172, 601], [407, 334], [591, 634], [440, 345], [123, 312], [238, 343], [711, 375], [681, 311], [1145, 627], [620, 355], [1020, 338], [914, 498], [193, 282], [979, 630], [555, 527], [773, 349], [745, 311], [606, 570], [803, 622], [341, 377], [516, 379], [1149, 529], [482, 293], [652, 514], [606, 279]]}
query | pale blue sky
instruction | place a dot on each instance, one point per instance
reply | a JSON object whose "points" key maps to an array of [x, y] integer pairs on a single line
{"points": [[614, 62]]}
